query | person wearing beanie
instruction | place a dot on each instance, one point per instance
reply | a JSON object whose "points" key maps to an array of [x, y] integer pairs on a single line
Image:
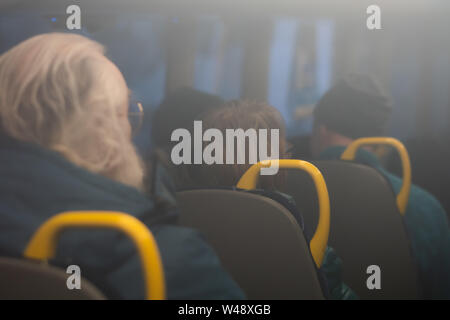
{"points": [[356, 107]]}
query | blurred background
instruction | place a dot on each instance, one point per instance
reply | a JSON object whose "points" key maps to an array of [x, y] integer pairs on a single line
{"points": [[286, 52]]}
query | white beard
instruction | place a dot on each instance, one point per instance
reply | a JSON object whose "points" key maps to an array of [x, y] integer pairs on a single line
{"points": [[131, 170]]}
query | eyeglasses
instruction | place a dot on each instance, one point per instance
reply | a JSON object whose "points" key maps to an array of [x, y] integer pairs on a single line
{"points": [[135, 116]]}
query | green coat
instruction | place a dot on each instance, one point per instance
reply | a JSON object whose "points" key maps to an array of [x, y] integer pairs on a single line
{"points": [[427, 225]]}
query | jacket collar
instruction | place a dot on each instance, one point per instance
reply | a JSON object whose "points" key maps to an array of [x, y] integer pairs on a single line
{"points": [[362, 156], [43, 168]]}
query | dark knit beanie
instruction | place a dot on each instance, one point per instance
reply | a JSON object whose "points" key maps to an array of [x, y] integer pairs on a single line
{"points": [[355, 107]]}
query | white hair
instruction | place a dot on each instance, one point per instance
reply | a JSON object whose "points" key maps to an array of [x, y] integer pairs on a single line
{"points": [[59, 91]]}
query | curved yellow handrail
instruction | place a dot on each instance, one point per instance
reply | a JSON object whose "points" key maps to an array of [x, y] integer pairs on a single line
{"points": [[403, 195], [318, 243], [43, 243]]}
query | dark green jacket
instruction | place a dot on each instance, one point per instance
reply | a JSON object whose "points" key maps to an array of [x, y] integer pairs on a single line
{"points": [[427, 225], [37, 184]]}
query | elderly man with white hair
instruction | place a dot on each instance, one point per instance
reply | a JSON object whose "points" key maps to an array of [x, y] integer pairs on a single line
{"points": [[65, 144]]}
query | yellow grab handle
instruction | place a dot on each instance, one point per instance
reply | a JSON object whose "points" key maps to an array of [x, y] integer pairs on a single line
{"points": [[319, 241], [403, 195], [43, 243]]}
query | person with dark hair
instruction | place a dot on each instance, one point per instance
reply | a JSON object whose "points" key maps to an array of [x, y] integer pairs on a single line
{"points": [[357, 107], [179, 110], [240, 115], [253, 115]]}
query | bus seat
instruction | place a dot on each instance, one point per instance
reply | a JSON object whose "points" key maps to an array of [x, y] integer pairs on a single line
{"points": [[403, 195], [257, 239], [42, 247], [22, 279], [319, 241], [366, 227]]}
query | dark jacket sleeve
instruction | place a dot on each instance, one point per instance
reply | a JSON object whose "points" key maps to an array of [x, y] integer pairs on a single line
{"points": [[332, 269], [192, 269], [428, 228]]}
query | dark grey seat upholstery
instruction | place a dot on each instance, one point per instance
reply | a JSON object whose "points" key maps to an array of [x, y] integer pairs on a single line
{"points": [[366, 227], [22, 279], [258, 241]]}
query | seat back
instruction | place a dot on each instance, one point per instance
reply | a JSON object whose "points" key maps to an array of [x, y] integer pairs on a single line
{"points": [[258, 241], [319, 241], [24, 279], [29, 279], [366, 227]]}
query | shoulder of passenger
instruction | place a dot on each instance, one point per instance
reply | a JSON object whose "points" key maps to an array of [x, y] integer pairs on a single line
{"points": [[192, 267], [424, 206], [177, 243], [421, 195]]}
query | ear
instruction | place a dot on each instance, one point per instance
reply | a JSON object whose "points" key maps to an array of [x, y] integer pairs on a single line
{"points": [[323, 133], [319, 140]]}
